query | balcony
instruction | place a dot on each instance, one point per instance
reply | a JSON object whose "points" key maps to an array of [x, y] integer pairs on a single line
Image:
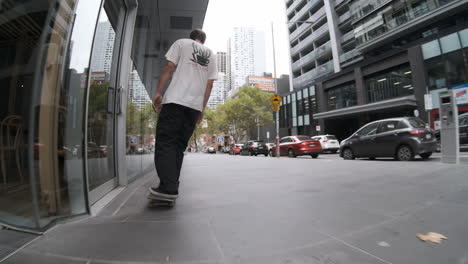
{"points": [[339, 2], [293, 6], [344, 18], [349, 56], [347, 37], [314, 18], [322, 30], [325, 48], [305, 9], [311, 75], [412, 17], [360, 11]]}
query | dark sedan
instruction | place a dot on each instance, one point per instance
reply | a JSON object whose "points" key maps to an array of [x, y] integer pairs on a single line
{"points": [[401, 138], [254, 148]]}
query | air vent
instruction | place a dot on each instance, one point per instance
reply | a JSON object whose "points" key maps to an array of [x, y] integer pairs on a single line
{"points": [[178, 22]]}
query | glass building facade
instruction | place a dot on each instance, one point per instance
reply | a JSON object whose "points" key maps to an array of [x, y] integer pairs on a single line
{"points": [[296, 112], [68, 136]]}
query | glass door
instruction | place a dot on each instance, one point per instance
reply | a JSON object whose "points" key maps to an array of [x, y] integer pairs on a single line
{"points": [[103, 95]]}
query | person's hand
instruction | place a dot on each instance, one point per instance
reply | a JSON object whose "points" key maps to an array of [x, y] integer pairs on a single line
{"points": [[157, 103], [200, 118]]}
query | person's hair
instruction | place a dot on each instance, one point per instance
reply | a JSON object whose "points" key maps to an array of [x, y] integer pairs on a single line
{"points": [[198, 34]]}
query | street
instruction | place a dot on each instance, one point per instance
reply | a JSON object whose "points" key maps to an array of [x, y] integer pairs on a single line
{"points": [[239, 209]]}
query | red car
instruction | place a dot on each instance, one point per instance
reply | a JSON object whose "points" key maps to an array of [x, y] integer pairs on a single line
{"points": [[294, 146], [236, 149]]}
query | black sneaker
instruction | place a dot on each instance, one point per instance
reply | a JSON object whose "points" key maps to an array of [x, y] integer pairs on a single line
{"points": [[163, 194]]}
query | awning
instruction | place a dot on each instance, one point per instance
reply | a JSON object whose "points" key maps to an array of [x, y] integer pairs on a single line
{"points": [[372, 107]]}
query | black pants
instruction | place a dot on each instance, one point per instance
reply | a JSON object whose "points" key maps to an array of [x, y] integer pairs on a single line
{"points": [[175, 126]]}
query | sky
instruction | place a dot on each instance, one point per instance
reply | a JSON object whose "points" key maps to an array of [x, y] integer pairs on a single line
{"points": [[224, 15]]}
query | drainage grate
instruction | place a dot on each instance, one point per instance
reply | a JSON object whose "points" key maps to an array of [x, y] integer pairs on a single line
{"points": [[12, 240], [5, 251]]}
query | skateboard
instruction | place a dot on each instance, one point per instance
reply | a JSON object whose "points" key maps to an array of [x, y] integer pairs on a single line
{"points": [[160, 201]]}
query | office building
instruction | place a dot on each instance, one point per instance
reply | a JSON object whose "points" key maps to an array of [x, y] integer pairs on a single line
{"points": [[246, 49], [358, 61], [221, 59], [218, 93], [103, 47]]}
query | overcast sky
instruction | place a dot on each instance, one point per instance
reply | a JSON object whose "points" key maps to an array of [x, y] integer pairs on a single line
{"points": [[224, 15]]}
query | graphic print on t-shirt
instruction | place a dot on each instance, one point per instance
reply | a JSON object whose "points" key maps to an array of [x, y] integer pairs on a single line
{"points": [[201, 55]]}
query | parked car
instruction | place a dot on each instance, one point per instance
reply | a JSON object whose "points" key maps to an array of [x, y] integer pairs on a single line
{"points": [[270, 145], [401, 138], [235, 149], [254, 148], [211, 150], [329, 143], [294, 146], [226, 149]]}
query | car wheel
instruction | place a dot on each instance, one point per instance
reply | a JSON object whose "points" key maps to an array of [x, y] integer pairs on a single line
{"points": [[372, 158], [404, 153], [425, 155], [291, 153], [315, 155], [348, 154], [266, 155]]}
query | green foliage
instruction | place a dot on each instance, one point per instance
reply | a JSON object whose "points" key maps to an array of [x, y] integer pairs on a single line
{"points": [[240, 115]]}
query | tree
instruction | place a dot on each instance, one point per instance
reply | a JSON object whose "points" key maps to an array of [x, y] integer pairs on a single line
{"points": [[240, 115]]}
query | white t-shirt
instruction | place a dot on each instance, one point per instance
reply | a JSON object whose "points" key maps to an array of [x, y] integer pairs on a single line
{"points": [[196, 64]]}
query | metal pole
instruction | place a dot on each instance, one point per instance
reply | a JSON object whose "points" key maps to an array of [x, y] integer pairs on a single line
{"points": [[276, 91]]}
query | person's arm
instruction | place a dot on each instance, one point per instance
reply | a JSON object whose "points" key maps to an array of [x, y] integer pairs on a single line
{"points": [[209, 87], [166, 75]]}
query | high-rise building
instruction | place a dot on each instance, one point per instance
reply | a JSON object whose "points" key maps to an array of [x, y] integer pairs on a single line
{"points": [[246, 50], [221, 59], [358, 61], [137, 91], [103, 48], [218, 93]]}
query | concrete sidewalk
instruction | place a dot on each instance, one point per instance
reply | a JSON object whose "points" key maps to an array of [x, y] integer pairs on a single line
{"points": [[266, 210]]}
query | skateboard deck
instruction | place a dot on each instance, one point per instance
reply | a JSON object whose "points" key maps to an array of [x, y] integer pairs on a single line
{"points": [[160, 201]]}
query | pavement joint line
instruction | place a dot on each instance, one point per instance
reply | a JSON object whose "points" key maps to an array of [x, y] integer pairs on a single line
{"points": [[356, 248], [218, 245], [131, 195]]}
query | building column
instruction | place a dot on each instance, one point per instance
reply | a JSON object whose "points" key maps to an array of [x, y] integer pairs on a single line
{"points": [[321, 98], [419, 79], [335, 35], [361, 91]]}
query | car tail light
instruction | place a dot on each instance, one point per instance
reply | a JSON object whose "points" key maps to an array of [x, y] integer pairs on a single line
{"points": [[252, 147], [417, 132]]}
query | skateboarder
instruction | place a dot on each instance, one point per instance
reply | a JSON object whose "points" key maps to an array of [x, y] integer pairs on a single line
{"points": [[192, 67]]}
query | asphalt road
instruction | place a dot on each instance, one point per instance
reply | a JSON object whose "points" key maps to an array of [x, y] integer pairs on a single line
{"points": [[238, 209]]}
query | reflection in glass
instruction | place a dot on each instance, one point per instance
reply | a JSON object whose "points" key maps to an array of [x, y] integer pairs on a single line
{"points": [[40, 108], [392, 83], [100, 145], [342, 96], [447, 70]]}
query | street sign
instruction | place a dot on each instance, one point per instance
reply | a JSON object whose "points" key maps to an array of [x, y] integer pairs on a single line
{"points": [[317, 128], [268, 134], [276, 99], [275, 102]]}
